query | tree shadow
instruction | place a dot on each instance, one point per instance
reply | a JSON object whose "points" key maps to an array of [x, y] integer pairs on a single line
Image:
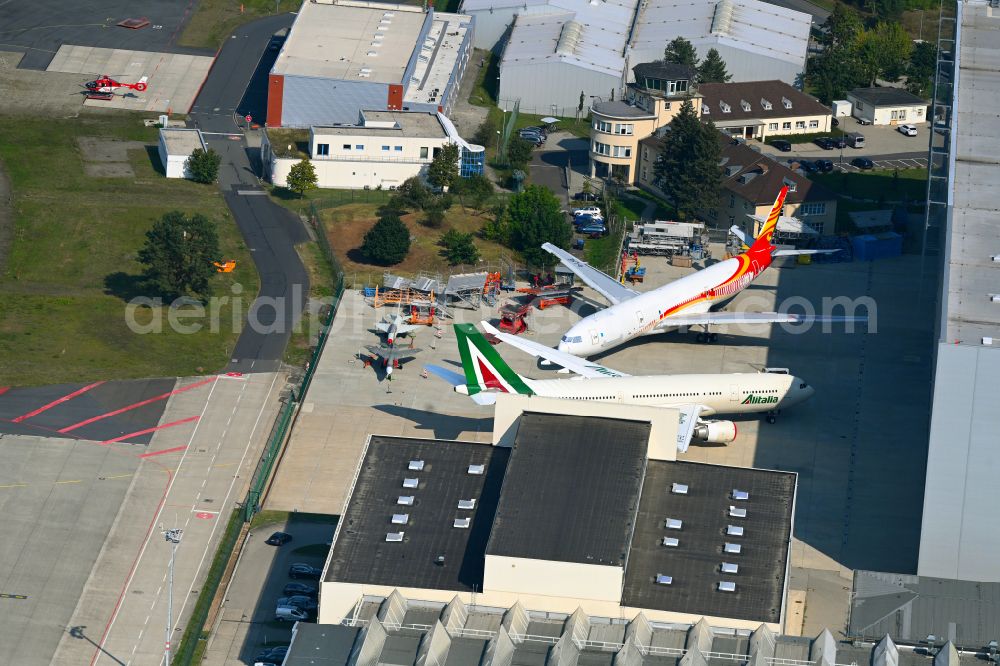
{"points": [[153, 153], [126, 286], [357, 256], [285, 194]]}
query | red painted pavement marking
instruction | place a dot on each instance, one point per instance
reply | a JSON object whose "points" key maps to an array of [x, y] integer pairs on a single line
{"points": [[52, 404], [204, 515], [160, 453], [136, 405], [149, 430], [4, 389]]}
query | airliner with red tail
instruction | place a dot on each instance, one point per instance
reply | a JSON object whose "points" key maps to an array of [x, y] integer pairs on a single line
{"points": [[683, 302]]}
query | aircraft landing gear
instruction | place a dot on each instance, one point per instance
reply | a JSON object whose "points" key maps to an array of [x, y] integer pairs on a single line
{"points": [[707, 338], [772, 417]]}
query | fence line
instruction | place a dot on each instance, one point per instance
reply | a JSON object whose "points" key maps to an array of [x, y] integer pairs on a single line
{"points": [[194, 632]]}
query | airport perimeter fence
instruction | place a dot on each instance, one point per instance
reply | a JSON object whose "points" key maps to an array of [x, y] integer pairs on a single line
{"points": [[195, 635]]}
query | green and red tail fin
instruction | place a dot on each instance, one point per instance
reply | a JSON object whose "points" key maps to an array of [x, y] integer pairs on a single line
{"points": [[484, 369], [763, 241]]}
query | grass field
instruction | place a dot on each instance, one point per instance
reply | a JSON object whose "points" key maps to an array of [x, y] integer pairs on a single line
{"points": [[72, 266], [214, 20]]}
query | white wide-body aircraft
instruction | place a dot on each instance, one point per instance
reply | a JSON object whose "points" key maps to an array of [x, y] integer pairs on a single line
{"points": [[683, 302], [694, 396]]}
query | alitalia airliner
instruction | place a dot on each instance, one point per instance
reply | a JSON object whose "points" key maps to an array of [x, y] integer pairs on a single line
{"points": [[694, 396], [683, 302]]}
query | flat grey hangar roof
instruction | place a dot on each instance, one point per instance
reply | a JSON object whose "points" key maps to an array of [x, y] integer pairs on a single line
{"points": [[361, 553], [695, 563], [417, 124], [886, 96], [571, 490], [314, 644]]}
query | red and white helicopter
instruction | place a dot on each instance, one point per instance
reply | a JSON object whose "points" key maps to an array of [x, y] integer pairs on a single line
{"points": [[104, 86]]}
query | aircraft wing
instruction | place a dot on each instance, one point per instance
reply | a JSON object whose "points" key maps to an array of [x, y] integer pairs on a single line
{"points": [[790, 253], [580, 366], [688, 417], [600, 282], [390, 354], [722, 318]]}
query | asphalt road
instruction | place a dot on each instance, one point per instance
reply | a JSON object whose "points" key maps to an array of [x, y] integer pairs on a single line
{"points": [[40, 27], [270, 231]]}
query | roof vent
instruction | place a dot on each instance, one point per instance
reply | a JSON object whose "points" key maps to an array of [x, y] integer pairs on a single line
{"points": [[734, 530], [674, 524], [996, 258], [737, 512], [785, 102], [364, 75], [733, 169], [790, 184], [462, 523], [727, 586], [386, 15], [405, 500], [766, 104], [671, 542], [729, 567], [569, 38], [400, 518], [745, 105], [416, 465], [705, 110], [663, 579], [394, 537], [679, 489], [740, 495], [995, 298], [372, 54], [467, 504], [365, 70], [411, 483], [733, 548], [477, 469], [725, 107], [722, 19], [988, 341]]}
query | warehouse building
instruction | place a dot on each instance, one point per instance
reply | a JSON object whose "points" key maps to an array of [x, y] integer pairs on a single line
{"points": [[552, 51], [344, 56], [382, 150], [578, 514]]}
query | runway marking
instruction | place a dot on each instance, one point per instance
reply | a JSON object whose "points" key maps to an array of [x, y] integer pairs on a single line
{"points": [[72, 481], [136, 405], [149, 430], [15, 485], [160, 453], [65, 398]]}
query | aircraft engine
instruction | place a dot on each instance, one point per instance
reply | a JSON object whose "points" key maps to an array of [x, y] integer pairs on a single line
{"points": [[715, 432]]}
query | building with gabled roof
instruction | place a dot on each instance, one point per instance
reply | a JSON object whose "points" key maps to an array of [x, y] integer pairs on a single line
{"points": [[762, 109]]}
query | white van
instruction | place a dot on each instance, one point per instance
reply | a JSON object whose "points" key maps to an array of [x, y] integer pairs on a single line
{"points": [[290, 614]]}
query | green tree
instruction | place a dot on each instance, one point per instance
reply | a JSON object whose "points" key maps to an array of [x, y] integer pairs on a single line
{"points": [[519, 151], [387, 242], [459, 248], [886, 10], [179, 253], [713, 69], [535, 217], [688, 167], [443, 171], [681, 52], [497, 229], [413, 193], [301, 177], [920, 70], [883, 51], [433, 217], [478, 187], [580, 105], [486, 133], [841, 27], [203, 165]]}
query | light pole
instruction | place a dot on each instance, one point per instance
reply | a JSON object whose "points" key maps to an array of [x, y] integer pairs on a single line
{"points": [[173, 537]]}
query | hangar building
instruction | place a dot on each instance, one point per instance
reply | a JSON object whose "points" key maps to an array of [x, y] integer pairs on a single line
{"points": [[344, 56], [578, 513]]}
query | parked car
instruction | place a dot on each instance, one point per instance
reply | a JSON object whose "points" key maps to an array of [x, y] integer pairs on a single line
{"points": [[539, 129], [834, 122], [864, 121], [299, 589], [290, 614], [585, 219], [278, 539], [863, 163], [908, 130], [531, 135], [274, 654], [807, 166], [589, 210], [856, 140], [782, 145], [593, 230], [824, 142], [299, 601], [825, 166], [299, 570], [586, 196], [839, 141]]}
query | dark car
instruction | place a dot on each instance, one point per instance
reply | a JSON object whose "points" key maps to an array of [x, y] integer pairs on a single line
{"points": [[538, 130], [807, 166], [826, 166], [272, 655], [834, 122], [839, 141], [863, 163], [299, 570], [587, 220], [278, 539], [293, 589], [593, 230], [586, 196], [824, 142], [782, 145], [299, 601]]}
